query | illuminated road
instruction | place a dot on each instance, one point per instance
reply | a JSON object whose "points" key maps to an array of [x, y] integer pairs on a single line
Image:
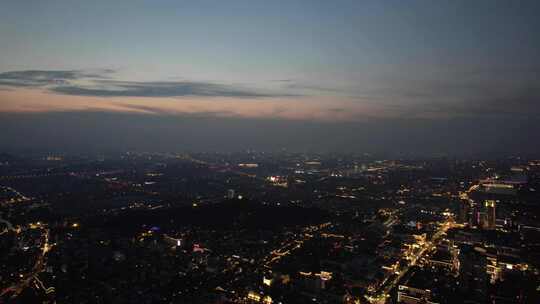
{"points": [[19, 196], [382, 294], [221, 168], [292, 245], [27, 279]]}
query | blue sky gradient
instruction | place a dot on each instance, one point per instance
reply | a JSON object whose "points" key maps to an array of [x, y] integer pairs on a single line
{"points": [[331, 61]]}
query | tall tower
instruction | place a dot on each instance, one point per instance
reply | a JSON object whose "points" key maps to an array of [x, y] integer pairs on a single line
{"points": [[490, 213]]}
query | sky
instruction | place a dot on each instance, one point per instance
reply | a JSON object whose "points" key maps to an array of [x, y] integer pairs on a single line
{"points": [[424, 77]]}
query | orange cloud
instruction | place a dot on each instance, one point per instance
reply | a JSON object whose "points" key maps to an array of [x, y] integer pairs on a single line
{"points": [[297, 108]]}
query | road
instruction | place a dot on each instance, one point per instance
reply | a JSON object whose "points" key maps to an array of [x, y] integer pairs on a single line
{"points": [[28, 278], [384, 290], [291, 245]]}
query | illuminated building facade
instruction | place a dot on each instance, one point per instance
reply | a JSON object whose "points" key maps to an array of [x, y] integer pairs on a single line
{"points": [[490, 214]]}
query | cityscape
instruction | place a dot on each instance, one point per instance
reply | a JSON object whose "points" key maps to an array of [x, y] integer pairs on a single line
{"points": [[270, 152], [256, 227]]}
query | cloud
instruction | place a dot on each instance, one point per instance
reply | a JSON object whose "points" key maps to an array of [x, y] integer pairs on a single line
{"points": [[164, 112], [518, 106], [281, 80], [463, 96], [159, 89], [36, 78], [316, 88], [337, 110], [98, 84], [425, 98]]}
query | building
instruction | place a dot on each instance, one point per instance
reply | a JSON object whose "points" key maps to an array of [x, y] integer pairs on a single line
{"points": [[490, 214], [445, 259], [413, 295], [315, 281]]}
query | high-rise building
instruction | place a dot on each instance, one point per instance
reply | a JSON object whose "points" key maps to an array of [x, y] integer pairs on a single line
{"points": [[490, 213]]}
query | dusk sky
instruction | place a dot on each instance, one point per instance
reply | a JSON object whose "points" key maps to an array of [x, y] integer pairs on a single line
{"points": [[432, 77]]}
